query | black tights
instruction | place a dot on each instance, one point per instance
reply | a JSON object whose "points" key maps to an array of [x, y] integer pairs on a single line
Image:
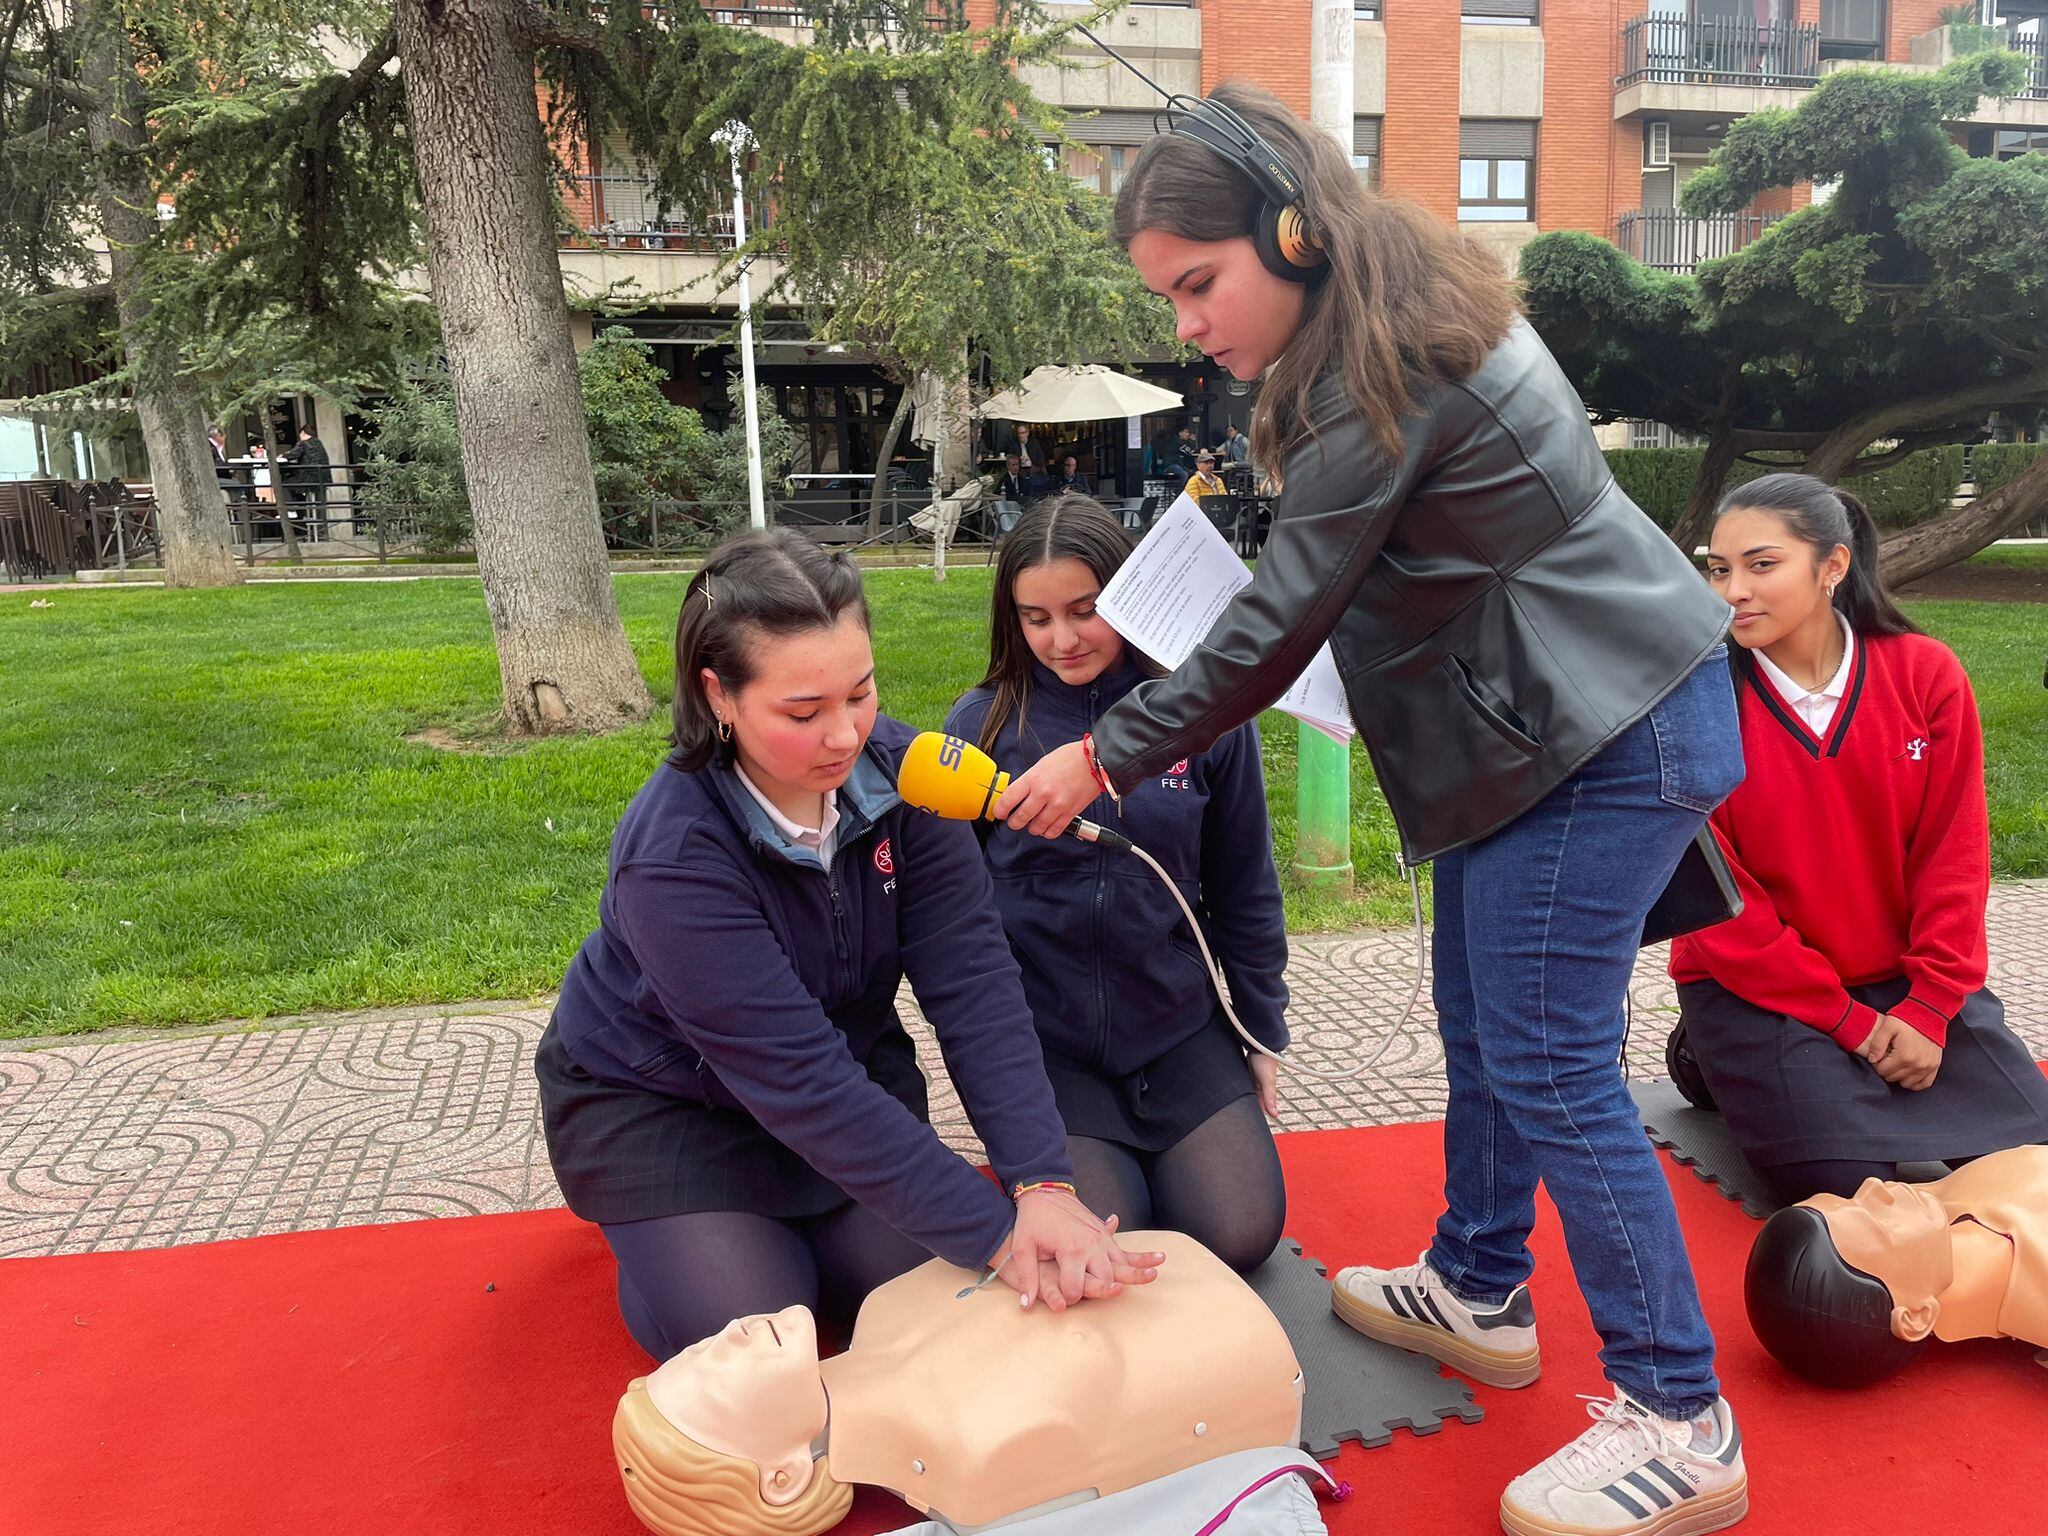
{"points": [[1220, 1184], [682, 1278]]}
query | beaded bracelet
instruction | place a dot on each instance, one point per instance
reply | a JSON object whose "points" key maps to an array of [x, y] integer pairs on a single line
{"points": [[1027, 1189]]}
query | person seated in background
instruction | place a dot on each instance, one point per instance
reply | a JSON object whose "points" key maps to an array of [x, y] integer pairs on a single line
{"points": [[1205, 481], [1070, 478], [1841, 1022], [1010, 483], [1237, 448]]}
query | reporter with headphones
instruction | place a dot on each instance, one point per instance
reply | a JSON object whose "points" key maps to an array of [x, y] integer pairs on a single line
{"points": [[1539, 677]]}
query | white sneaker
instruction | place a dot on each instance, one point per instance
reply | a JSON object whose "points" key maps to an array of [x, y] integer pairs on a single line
{"points": [[1412, 1308], [1632, 1474]]}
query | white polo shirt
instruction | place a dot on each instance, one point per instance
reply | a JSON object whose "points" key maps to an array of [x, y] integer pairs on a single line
{"points": [[1817, 708]]}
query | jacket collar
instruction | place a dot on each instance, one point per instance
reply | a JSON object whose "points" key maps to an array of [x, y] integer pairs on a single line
{"points": [[868, 794]]}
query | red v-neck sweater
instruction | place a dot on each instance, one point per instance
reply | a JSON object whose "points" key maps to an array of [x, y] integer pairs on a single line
{"points": [[1863, 855]]}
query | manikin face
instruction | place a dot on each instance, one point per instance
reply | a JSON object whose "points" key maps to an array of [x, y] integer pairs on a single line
{"points": [[1056, 606], [1769, 576], [1224, 300], [800, 724], [753, 1391], [1897, 1233]]}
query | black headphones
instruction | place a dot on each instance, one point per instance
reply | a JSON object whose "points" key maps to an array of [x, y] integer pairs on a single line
{"points": [[1280, 230]]}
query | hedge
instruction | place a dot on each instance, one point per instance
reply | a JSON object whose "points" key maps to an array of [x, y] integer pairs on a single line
{"points": [[1994, 464], [1915, 490]]}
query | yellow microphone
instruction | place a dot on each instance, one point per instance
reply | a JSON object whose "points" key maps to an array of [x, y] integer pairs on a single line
{"points": [[950, 778], [957, 780]]}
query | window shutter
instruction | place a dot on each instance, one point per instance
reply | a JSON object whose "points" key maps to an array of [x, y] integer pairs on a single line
{"points": [[1113, 128], [1365, 136], [1497, 139], [1518, 10]]}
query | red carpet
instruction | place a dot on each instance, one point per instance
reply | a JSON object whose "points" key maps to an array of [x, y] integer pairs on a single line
{"points": [[365, 1380]]}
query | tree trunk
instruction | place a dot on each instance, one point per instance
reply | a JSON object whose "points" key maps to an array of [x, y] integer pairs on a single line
{"points": [[563, 659], [1917, 552], [1706, 491], [191, 517], [883, 455]]}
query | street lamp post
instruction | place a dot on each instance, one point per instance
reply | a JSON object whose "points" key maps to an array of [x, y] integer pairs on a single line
{"points": [[738, 139]]}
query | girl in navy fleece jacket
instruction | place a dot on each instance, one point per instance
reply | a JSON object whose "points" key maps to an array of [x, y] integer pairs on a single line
{"points": [[725, 1085], [1161, 1104]]}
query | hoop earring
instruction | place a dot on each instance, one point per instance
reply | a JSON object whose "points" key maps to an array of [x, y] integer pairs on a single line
{"points": [[724, 730]]}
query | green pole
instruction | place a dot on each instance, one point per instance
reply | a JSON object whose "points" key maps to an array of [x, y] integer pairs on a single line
{"points": [[1322, 812]]}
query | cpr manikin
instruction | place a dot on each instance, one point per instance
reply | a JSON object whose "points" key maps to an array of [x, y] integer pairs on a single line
{"points": [[1846, 1292], [970, 1408]]}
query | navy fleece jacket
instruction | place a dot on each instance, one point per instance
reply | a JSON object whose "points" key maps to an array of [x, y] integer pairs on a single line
{"points": [[1110, 966], [733, 969]]}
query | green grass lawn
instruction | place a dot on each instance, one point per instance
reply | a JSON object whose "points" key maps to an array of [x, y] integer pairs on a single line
{"points": [[209, 807]]}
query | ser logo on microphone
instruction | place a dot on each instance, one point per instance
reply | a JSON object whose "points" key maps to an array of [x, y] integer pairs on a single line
{"points": [[950, 750]]}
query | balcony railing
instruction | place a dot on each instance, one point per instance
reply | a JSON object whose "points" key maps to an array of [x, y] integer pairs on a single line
{"points": [[1675, 242], [938, 16], [2035, 51], [1672, 50], [625, 213]]}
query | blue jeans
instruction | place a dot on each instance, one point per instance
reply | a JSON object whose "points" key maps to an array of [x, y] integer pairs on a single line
{"points": [[1537, 927]]}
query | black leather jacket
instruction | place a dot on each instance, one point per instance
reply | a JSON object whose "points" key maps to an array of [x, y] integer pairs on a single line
{"points": [[1500, 611]]}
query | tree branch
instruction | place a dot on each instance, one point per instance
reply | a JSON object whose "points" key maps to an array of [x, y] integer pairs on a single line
{"points": [[358, 83], [35, 138], [69, 92], [542, 26], [58, 297], [1845, 442]]}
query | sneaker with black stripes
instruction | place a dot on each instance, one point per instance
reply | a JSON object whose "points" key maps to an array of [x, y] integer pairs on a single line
{"points": [[1413, 1309], [1634, 1474]]}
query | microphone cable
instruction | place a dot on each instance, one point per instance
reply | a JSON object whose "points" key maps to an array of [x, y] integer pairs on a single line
{"points": [[1223, 997]]}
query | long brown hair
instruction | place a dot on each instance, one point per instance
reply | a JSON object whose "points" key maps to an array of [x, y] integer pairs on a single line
{"points": [[1406, 302], [1064, 527], [770, 581]]}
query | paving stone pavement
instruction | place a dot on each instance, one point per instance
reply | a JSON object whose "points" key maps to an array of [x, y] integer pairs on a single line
{"points": [[397, 1115]]}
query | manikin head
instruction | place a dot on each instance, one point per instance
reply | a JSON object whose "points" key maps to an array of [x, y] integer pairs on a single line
{"points": [[719, 1438], [1846, 1292]]}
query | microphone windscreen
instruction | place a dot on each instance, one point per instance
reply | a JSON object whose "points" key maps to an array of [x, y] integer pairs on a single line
{"points": [[949, 777]]}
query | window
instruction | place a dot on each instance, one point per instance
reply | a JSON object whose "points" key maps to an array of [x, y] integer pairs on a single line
{"points": [[1365, 149], [1101, 167], [1496, 172], [1107, 147], [2008, 143], [1365, 10], [1497, 13]]}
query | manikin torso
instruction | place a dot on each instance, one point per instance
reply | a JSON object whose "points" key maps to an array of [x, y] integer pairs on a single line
{"points": [[1999, 1207], [976, 1411]]}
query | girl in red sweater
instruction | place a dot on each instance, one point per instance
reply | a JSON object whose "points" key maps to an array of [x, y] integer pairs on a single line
{"points": [[1841, 1023]]}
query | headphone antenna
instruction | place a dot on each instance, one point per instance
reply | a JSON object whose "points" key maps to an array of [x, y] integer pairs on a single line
{"points": [[1172, 98]]}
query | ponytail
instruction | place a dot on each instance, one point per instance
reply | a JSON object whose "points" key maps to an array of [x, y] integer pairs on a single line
{"points": [[1862, 598], [1825, 518]]}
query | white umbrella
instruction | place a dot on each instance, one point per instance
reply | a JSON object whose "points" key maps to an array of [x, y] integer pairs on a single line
{"points": [[1089, 392]]}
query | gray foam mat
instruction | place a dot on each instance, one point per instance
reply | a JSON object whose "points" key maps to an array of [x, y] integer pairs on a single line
{"points": [[1355, 1388], [1700, 1139]]}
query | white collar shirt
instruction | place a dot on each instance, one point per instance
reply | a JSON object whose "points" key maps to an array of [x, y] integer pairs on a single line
{"points": [[824, 837], [1816, 707]]}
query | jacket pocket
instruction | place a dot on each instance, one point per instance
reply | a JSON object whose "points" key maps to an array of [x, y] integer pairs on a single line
{"points": [[1699, 738], [1489, 705]]}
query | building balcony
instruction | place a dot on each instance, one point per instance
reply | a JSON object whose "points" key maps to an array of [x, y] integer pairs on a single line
{"points": [[1672, 241], [2028, 108], [1676, 68], [621, 232]]}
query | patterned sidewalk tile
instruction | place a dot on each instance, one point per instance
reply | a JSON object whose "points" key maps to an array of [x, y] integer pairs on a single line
{"points": [[398, 1116]]}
